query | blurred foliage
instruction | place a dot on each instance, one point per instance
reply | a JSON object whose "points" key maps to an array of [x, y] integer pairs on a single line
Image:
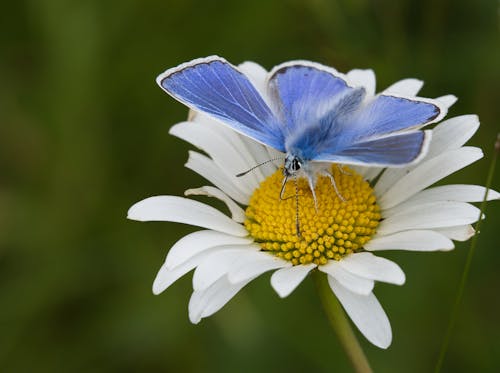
{"points": [[84, 135]]}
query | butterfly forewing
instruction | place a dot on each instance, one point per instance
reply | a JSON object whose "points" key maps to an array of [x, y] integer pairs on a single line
{"points": [[301, 90], [214, 86]]}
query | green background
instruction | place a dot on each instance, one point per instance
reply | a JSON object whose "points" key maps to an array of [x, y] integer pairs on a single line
{"points": [[84, 135]]}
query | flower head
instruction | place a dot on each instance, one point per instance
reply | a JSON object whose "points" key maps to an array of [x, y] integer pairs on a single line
{"points": [[345, 215]]}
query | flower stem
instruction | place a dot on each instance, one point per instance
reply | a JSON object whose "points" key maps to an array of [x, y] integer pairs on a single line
{"points": [[340, 324], [468, 261]]}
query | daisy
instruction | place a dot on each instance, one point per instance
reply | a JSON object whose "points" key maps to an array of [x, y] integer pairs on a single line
{"points": [[373, 209]]}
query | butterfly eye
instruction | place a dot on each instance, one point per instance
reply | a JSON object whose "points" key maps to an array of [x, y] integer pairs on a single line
{"points": [[295, 165]]}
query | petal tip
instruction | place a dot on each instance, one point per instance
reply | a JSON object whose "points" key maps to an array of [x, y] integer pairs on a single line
{"points": [[133, 212], [493, 195], [282, 292], [195, 319], [384, 344], [401, 280], [157, 288]]}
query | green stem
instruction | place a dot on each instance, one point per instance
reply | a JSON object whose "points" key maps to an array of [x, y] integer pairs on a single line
{"points": [[468, 261], [340, 324]]}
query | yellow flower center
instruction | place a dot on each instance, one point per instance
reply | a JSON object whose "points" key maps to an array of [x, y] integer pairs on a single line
{"points": [[335, 229]]}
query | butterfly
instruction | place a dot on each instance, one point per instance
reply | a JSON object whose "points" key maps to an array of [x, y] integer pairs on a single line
{"points": [[311, 112]]}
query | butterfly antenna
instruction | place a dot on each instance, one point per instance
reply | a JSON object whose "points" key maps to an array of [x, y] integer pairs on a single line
{"points": [[332, 179], [297, 221], [257, 166]]}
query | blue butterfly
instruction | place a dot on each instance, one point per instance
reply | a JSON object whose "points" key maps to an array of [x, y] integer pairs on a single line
{"points": [[314, 115]]}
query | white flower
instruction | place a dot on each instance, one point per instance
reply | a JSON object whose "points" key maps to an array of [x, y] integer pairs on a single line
{"points": [[232, 251]]}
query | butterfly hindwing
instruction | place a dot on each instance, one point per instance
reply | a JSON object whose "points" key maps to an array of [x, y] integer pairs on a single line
{"points": [[326, 119], [396, 150], [380, 132], [214, 86]]}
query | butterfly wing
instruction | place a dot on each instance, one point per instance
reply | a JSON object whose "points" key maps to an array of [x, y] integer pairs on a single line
{"points": [[304, 91], [389, 114], [383, 133], [328, 120], [396, 150], [214, 86]]}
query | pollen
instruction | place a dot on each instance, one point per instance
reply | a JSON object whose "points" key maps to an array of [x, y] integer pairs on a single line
{"points": [[339, 224]]}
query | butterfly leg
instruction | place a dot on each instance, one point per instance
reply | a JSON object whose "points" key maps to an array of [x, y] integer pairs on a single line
{"points": [[311, 186], [342, 171], [283, 185], [334, 184]]}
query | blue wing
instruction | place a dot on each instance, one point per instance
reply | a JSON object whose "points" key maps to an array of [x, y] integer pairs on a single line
{"points": [[305, 92], [388, 114], [377, 133], [214, 86], [395, 150]]}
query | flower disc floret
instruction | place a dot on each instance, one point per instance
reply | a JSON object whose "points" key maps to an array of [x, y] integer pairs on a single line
{"points": [[330, 230]]}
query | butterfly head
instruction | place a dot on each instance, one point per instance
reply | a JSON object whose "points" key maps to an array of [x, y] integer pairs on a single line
{"points": [[292, 165]]}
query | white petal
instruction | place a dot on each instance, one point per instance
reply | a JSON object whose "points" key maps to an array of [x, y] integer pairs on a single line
{"points": [[245, 146], [372, 173], [237, 213], [220, 263], [167, 276], [366, 313], [361, 170], [416, 240], [456, 192], [389, 177], [406, 87], [223, 152], [368, 173], [197, 242], [210, 171], [373, 267], [183, 210], [452, 134], [429, 216], [192, 114], [262, 159], [362, 78], [285, 280], [447, 101], [277, 156], [448, 135], [262, 262], [458, 233], [427, 173], [206, 302], [350, 281]]}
